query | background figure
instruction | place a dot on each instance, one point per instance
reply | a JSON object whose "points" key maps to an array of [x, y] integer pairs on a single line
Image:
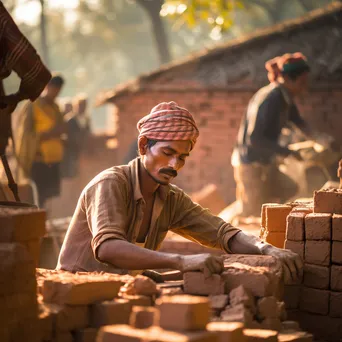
{"points": [[67, 106], [40, 147], [78, 130]]}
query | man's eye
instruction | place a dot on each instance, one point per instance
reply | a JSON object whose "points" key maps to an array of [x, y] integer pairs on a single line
{"points": [[167, 154]]}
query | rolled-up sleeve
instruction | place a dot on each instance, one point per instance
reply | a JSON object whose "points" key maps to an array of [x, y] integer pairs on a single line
{"points": [[106, 212], [198, 224]]}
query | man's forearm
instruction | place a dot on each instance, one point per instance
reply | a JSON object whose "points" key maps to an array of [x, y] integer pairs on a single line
{"points": [[125, 255], [242, 243]]}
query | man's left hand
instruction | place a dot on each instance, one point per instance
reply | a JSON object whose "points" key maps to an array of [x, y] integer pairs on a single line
{"points": [[292, 263]]}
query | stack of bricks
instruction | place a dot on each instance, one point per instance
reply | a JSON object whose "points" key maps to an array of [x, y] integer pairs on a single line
{"points": [[317, 237], [273, 223], [18, 298], [73, 307], [25, 226]]}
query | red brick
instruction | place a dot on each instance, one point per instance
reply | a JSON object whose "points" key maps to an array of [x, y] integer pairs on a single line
{"points": [[77, 289], [237, 313], [291, 296], [281, 311], [336, 278], [19, 225], [143, 317], [295, 246], [318, 226], [110, 312], [295, 226], [271, 323], [195, 283], [267, 308], [335, 309], [183, 312], [259, 335], [63, 337], [337, 227], [218, 302], [263, 212], [276, 239], [255, 279], [240, 295], [299, 336], [290, 326], [328, 201], [314, 300], [316, 276], [276, 217], [125, 333], [304, 210], [85, 335], [336, 254], [318, 252], [227, 331]]}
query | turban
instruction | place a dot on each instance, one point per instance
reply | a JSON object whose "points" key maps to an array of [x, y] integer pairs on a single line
{"points": [[293, 63], [168, 121]]}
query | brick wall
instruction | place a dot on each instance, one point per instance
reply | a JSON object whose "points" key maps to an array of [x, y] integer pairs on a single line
{"points": [[218, 114]]}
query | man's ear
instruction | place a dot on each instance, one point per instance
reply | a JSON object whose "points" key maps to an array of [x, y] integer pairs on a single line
{"points": [[142, 145]]}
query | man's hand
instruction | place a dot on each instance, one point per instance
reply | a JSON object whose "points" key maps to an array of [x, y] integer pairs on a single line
{"points": [[296, 155], [206, 263], [292, 263]]}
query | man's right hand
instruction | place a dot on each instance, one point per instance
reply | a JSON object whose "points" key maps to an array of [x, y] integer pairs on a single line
{"points": [[206, 263], [296, 155]]}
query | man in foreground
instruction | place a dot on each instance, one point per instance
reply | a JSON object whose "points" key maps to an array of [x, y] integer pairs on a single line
{"points": [[124, 213]]}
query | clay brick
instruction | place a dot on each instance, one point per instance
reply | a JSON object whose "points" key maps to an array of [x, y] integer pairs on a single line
{"points": [[291, 296], [318, 252], [276, 239], [138, 300], [304, 210], [195, 283], [19, 225], [295, 226], [328, 201], [263, 212], [240, 295], [281, 311], [336, 254], [125, 333], [227, 331], [77, 289], [335, 309], [295, 246], [45, 321], [314, 301], [299, 336], [143, 317], [66, 317], [110, 312], [183, 312], [218, 302], [267, 308], [318, 226], [259, 335], [255, 279], [276, 217], [271, 323], [85, 335], [337, 227], [237, 313], [316, 276], [33, 247], [336, 278], [290, 326]]}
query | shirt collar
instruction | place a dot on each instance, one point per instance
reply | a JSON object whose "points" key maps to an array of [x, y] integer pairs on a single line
{"points": [[135, 164]]}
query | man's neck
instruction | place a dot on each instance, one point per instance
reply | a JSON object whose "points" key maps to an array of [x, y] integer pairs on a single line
{"points": [[289, 89], [148, 185]]}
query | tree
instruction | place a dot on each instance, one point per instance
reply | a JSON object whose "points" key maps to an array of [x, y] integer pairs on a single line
{"points": [[153, 8]]}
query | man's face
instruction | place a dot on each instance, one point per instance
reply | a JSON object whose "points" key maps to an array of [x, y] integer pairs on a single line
{"points": [[164, 159], [52, 91], [301, 83]]}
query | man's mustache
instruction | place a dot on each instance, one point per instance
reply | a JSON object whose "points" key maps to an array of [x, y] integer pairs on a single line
{"points": [[170, 172]]}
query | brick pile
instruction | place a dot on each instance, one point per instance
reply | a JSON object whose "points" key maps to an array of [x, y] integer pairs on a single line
{"points": [[316, 301], [18, 299], [25, 226], [73, 307]]}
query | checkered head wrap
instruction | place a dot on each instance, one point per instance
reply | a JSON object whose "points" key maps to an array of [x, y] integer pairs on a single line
{"points": [[168, 121]]}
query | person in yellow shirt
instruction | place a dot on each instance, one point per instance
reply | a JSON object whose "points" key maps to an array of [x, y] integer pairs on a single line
{"points": [[48, 125]]}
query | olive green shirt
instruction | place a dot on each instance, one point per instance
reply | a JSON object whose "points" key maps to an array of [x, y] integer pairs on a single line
{"points": [[112, 207]]}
